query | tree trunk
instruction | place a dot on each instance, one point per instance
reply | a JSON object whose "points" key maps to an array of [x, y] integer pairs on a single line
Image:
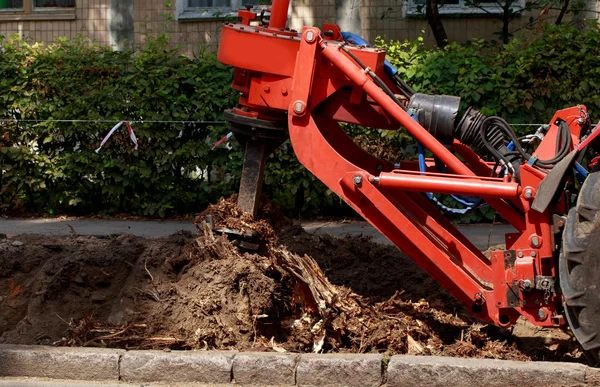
{"points": [[563, 11], [435, 22], [506, 19], [505, 31]]}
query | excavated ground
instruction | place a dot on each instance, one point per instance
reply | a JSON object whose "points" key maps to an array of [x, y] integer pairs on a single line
{"points": [[299, 292]]}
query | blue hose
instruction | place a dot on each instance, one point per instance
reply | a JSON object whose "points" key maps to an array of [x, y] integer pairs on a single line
{"points": [[580, 172], [468, 201], [455, 211]]}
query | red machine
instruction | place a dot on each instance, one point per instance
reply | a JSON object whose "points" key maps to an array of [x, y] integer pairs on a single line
{"points": [[303, 84]]}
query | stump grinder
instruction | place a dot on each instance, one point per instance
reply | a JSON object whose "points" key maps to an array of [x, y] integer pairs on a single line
{"points": [[302, 84]]}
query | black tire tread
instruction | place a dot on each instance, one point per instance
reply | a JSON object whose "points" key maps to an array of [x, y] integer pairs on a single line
{"points": [[579, 268]]}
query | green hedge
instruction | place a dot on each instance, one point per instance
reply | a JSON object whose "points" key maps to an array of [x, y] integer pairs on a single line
{"points": [[53, 167], [524, 81]]}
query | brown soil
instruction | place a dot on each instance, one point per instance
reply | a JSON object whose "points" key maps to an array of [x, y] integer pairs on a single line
{"points": [[199, 291]]}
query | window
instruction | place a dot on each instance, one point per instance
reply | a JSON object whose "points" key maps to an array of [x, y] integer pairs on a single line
{"points": [[54, 3], [464, 7], [11, 4], [211, 9], [16, 10]]}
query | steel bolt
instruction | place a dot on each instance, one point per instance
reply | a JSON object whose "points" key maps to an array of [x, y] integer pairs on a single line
{"points": [[478, 299], [520, 255], [528, 193], [299, 107], [533, 254], [357, 180], [581, 121], [541, 314], [545, 284], [535, 241], [310, 36]]}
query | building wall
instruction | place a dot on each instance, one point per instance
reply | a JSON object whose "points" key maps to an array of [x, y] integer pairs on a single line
{"points": [[90, 18], [153, 17], [397, 25], [94, 19]]}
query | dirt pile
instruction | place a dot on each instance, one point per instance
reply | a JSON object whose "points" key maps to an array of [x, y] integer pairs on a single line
{"points": [[201, 292]]}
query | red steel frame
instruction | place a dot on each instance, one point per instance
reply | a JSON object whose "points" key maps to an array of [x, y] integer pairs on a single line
{"points": [[308, 76]]}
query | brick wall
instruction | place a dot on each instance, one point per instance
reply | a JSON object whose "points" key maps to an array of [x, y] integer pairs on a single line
{"points": [[152, 16], [396, 25], [90, 18]]}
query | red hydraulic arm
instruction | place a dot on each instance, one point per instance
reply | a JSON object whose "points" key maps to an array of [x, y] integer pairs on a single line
{"points": [[303, 84]]}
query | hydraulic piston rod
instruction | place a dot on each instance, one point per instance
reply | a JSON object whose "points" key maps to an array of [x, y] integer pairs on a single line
{"points": [[491, 188]]}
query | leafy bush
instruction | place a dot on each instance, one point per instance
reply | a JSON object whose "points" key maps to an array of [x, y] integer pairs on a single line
{"points": [[525, 81], [52, 166]]}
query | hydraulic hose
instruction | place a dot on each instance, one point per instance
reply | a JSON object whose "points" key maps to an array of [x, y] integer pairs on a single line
{"points": [[497, 124], [373, 76]]}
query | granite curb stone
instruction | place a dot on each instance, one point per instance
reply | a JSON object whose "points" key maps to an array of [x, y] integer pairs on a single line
{"points": [[353, 370], [177, 366], [265, 368], [280, 369], [59, 362], [408, 371], [592, 376]]}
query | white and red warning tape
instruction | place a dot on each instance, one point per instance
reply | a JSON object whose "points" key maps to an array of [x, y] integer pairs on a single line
{"points": [[114, 129], [227, 137]]}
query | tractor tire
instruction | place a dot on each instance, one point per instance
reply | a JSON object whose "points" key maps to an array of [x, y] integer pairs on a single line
{"points": [[579, 268]]}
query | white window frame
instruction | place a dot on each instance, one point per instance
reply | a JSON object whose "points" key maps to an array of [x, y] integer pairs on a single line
{"points": [[29, 12], [412, 9], [185, 13]]}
